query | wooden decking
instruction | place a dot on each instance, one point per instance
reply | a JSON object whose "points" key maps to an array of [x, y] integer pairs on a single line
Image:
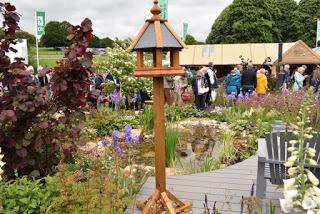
{"points": [[225, 186]]}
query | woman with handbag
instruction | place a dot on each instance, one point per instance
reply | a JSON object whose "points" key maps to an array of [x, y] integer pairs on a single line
{"points": [[200, 90]]}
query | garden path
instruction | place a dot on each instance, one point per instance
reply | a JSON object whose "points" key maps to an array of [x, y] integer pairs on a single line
{"points": [[225, 186]]}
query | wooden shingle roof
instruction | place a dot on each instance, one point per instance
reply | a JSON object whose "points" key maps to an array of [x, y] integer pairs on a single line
{"points": [[157, 33]]}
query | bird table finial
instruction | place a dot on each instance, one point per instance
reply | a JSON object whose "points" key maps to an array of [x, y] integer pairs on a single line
{"points": [[155, 10]]}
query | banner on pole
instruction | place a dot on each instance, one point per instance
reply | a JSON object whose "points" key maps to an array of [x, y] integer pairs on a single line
{"points": [[164, 9], [185, 30], [40, 22]]}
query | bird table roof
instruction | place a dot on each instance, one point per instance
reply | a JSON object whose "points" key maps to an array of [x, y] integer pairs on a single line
{"points": [[157, 33]]}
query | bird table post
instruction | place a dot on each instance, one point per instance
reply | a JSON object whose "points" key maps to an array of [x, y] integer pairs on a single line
{"points": [[158, 37]]}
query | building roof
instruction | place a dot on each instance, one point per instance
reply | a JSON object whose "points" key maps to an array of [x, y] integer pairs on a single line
{"points": [[229, 54]]}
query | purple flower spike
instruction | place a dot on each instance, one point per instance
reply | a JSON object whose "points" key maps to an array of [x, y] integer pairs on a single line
{"points": [[115, 136], [105, 142], [128, 129], [115, 97], [135, 139], [127, 133]]}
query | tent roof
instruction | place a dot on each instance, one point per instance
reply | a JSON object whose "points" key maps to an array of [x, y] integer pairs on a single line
{"points": [[229, 54]]}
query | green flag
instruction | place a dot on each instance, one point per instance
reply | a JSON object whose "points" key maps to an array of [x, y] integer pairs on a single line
{"points": [[164, 9], [41, 22], [185, 30]]}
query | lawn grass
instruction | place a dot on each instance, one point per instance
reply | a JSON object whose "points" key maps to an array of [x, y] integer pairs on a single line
{"points": [[48, 56]]}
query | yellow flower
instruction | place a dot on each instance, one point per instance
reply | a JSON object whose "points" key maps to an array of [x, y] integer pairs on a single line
{"points": [[291, 149], [312, 162], [292, 171], [288, 164], [316, 190], [288, 183], [310, 212], [293, 158], [312, 178], [312, 150], [292, 142]]}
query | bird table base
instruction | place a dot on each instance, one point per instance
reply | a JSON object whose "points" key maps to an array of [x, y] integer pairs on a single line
{"points": [[165, 201]]}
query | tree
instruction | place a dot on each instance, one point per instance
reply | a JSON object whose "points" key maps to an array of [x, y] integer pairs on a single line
{"points": [[286, 20], [56, 34], [307, 14], [190, 40], [36, 131], [31, 39], [106, 42], [95, 43], [246, 21]]}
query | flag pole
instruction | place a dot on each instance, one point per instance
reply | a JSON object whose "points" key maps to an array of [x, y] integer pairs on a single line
{"points": [[37, 45]]}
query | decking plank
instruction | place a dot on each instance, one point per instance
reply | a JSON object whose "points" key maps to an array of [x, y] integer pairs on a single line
{"points": [[225, 186]]}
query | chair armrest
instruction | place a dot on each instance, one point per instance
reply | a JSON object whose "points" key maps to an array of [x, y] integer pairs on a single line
{"points": [[262, 148]]}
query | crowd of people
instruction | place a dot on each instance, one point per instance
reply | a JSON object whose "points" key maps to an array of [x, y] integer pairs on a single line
{"points": [[243, 81]]}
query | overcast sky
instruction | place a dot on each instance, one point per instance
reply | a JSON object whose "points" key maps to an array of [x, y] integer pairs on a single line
{"points": [[123, 18]]}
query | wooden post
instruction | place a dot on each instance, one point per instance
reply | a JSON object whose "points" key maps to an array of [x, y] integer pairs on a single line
{"points": [[174, 58], [140, 63], [159, 135]]}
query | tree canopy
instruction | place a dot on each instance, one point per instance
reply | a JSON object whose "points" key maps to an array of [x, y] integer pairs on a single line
{"points": [[190, 40], [286, 20], [253, 21], [306, 20], [101, 43], [56, 34], [246, 21]]}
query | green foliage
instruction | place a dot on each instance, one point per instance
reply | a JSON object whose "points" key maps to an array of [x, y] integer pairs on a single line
{"points": [[95, 43], [176, 113], [306, 20], [31, 39], [246, 21], [96, 184], [104, 121], [190, 40], [249, 123], [172, 139], [121, 64], [227, 153], [28, 196], [56, 34], [106, 42], [209, 163], [147, 120], [286, 20], [101, 43]]}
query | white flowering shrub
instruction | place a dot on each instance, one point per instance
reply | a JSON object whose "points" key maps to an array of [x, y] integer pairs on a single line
{"points": [[300, 191], [121, 64]]}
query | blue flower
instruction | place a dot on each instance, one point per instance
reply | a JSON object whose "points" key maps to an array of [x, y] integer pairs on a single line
{"points": [[115, 97], [115, 136], [135, 139], [117, 148]]}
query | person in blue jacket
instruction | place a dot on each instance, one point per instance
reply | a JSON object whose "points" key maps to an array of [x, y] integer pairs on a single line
{"points": [[233, 82]]}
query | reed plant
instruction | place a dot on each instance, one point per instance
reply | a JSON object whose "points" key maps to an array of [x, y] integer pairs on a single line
{"points": [[172, 139], [146, 120], [227, 154]]}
